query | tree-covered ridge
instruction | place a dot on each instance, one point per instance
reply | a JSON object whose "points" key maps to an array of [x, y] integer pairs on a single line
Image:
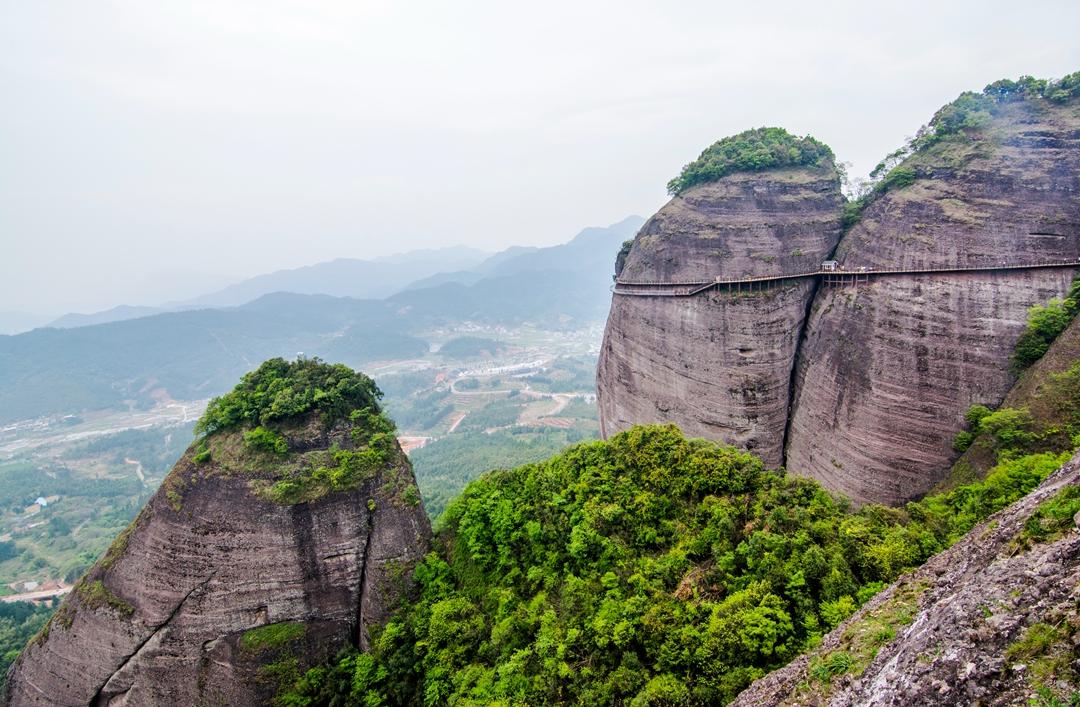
{"points": [[754, 150], [648, 569], [973, 110], [19, 621], [280, 390]]}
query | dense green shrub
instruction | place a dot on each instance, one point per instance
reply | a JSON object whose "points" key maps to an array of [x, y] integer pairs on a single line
{"points": [[265, 440], [272, 636], [1053, 517], [342, 469], [641, 568], [19, 621], [281, 390], [754, 150], [444, 467], [1044, 325]]}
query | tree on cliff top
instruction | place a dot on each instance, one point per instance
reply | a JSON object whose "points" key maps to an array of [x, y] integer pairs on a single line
{"points": [[754, 150], [281, 390]]}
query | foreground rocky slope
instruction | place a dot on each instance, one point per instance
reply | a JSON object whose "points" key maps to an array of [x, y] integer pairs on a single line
{"points": [[265, 550], [994, 620], [888, 368], [719, 365]]}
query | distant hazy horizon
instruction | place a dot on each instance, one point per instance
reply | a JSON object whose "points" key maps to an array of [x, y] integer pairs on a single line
{"points": [[158, 151]]}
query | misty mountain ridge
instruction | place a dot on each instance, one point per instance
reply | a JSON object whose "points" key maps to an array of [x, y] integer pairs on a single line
{"points": [[341, 277], [388, 275], [196, 353], [14, 322]]}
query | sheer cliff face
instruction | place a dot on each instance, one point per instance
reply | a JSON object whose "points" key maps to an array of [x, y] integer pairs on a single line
{"points": [[888, 368], [719, 365], [217, 593]]}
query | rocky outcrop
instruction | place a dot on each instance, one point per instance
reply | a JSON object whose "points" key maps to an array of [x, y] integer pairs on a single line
{"points": [[223, 588], [719, 365], [868, 396], [888, 368], [989, 621]]}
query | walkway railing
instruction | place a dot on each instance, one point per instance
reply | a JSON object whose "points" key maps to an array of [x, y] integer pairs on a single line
{"points": [[829, 277]]}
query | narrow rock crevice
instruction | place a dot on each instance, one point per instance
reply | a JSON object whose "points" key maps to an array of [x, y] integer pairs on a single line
{"points": [[800, 343], [99, 697], [359, 637]]}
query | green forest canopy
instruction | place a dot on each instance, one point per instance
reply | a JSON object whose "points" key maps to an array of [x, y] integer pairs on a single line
{"points": [[648, 569]]}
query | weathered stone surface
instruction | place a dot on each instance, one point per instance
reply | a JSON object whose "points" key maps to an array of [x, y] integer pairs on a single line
{"points": [[971, 603], [719, 365], [161, 619], [888, 369]]}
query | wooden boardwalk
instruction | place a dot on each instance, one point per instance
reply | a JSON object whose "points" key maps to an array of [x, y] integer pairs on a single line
{"points": [[838, 277]]}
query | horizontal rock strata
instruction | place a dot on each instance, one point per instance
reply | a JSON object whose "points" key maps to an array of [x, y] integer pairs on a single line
{"points": [[889, 368], [719, 365]]}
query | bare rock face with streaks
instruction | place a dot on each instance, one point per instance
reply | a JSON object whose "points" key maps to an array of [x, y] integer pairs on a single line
{"points": [[250, 564], [719, 365], [888, 368]]}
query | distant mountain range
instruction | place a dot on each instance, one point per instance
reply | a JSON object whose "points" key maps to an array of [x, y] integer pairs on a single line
{"points": [[197, 353], [388, 275], [344, 277]]}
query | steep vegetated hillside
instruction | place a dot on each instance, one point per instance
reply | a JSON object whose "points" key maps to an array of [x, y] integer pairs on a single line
{"points": [[1040, 412], [995, 620], [287, 531], [648, 569], [763, 202]]}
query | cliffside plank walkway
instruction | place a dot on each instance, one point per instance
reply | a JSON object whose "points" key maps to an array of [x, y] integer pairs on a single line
{"points": [[830, 277]]}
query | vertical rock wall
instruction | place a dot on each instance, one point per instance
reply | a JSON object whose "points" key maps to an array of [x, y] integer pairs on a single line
{"points": [[888, 368], [719, 365], [883, 371]]}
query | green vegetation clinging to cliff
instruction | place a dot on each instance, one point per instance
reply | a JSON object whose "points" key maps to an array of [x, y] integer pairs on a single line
{"points": [[754, 150], [1042, 414], [644, 570], [1044, 325], [1007, 433], [342, 469]]}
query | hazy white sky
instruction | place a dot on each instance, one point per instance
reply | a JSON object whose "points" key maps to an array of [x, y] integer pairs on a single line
{"points": [[154, 150]]}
